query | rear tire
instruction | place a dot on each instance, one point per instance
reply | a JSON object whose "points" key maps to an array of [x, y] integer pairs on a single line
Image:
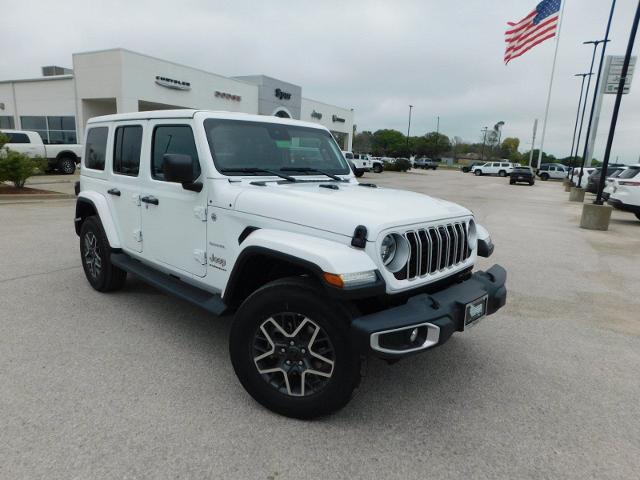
{"points": [[638, 216], [531, 183], [359, 173], [291, 350], [477, 173], [544, 177], [502, 173], [512, 182], [377, 168], [67, 165], [95, 254]]}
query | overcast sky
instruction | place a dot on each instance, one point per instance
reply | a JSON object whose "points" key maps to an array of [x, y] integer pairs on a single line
{"points": [[445, 58]]}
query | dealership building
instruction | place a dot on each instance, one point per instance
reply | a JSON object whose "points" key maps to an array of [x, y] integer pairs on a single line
{"points": [[58, 104]]}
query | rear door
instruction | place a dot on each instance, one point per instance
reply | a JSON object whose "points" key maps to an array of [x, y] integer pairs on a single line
{"points": [[124, 186], [174, 219]]}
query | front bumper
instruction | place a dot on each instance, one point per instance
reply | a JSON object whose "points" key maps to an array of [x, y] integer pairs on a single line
{"points": [[435, 316]]}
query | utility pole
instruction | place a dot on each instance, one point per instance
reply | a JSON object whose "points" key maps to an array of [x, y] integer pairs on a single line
{"points": [[484, 141], [409, 130], [573, 144], [533, 141]]}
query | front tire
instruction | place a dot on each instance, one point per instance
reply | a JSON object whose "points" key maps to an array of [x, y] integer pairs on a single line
{"points": [[359, 173], [502, 173], [291, 350], [377, 168], [95, 253], [638, 216], [477, 173], [544, 177]]}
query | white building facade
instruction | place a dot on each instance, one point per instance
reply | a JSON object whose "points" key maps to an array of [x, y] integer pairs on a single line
{"points": [[58, 104]]}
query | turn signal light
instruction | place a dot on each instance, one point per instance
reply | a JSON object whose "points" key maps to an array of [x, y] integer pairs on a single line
{"points": [[350, 279]]}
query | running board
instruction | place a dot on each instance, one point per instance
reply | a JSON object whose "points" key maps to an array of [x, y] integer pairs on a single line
{"points": [[210, 302]]}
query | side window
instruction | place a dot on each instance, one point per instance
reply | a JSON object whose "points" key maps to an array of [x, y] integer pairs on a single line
{"points": [[495, 165], [126, 150], [172, 139], [18, 138], [505, 165], [96, 148]]}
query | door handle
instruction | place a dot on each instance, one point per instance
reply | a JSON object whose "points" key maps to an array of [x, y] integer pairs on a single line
{"points": [[150, 199], [114, 191]]}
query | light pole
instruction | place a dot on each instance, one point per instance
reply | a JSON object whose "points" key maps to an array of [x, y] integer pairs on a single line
{"points": [[409, 130], [595, 96], [616, 107], [571, 156]]}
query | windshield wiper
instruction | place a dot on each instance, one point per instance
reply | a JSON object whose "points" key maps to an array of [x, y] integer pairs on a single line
{"points": [[258, 170], [312, 170]]}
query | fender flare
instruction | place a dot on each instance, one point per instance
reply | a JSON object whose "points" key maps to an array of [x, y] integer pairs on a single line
{"points": [[312, 254], [99, 204], [67, 153]]}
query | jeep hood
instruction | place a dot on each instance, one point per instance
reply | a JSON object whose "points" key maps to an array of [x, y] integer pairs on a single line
{"points": [[341, 210]]}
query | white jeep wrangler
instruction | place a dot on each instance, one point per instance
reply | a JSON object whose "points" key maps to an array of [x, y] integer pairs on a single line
{"points": [[261, 218]]}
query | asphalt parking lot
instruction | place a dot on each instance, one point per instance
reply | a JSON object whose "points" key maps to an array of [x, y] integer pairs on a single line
{"points": [[137, 384]]}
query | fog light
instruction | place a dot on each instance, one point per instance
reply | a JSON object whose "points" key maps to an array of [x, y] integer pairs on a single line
{"points": [[414, 335]]}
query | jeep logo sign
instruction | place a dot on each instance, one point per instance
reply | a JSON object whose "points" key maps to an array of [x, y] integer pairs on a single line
{"points": [[282, 95]]}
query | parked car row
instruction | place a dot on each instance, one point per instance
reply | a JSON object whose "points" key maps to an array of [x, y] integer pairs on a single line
{"points": [[501, 169], [624, 190]]}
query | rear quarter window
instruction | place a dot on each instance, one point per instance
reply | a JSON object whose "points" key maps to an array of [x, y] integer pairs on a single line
{"points": [[96, 148], [629, 173], [17, 137]]}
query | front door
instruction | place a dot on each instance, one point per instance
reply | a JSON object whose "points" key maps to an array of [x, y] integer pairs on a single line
{"points": [[174, 228]]}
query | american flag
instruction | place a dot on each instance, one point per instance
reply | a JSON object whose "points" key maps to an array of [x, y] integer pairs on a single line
{"points": [[535, 28]]}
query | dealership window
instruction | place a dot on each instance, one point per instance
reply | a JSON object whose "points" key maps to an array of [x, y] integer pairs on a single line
{"points": [[96, 148], [172, 139], [6, 121], [54, 129], [126, 150]]}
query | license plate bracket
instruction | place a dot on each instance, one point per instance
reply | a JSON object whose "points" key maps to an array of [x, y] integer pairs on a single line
{"points": [[474, 311]]}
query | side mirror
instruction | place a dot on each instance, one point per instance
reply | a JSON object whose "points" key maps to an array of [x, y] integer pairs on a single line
{"points": [[179, 168]]}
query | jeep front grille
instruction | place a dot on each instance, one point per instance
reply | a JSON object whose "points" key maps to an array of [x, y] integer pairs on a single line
{"points": [[434, 249]]}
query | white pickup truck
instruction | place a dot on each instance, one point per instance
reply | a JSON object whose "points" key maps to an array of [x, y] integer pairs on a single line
{"points": [[63, 158]]}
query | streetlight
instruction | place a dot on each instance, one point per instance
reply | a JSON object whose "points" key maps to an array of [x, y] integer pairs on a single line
{"points": [[595, 95], [616, 107], [571, 156], [409, 130]]}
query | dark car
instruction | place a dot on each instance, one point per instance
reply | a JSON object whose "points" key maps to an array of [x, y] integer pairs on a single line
{"points": [[594, 178], [467, 168], [522, 175]]}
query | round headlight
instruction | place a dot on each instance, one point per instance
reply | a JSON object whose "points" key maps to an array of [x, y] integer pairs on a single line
{"points": [[472, 235], [388, 249], [394, 252]]}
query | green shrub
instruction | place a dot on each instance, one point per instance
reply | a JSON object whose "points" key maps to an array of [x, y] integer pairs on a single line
{"points": [[17, 167], [400, 165]]}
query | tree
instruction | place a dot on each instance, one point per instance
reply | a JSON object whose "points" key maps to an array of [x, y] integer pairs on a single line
{"points": [[432, 144], [388, 142], [363, 142], [546, 158], [509, 149]]}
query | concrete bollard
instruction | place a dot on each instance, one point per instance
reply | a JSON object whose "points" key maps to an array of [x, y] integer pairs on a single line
{"points": [[567, 187], [566, 182], [576, 194], [595, 217]]}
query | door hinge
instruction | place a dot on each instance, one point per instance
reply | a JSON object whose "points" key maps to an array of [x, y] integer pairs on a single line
{"points": [[200, 256], [200, 213], [137, 235]]}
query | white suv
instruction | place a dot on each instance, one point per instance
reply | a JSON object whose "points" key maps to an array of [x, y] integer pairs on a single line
{"points": [[494, 168], [625, 191], [260, 218]]}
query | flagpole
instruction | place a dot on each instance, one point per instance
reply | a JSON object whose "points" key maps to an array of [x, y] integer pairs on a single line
{"points": [[553, 71]]}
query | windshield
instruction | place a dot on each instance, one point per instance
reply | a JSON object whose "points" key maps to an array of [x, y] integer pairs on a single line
{"points": [[238, 144]]}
